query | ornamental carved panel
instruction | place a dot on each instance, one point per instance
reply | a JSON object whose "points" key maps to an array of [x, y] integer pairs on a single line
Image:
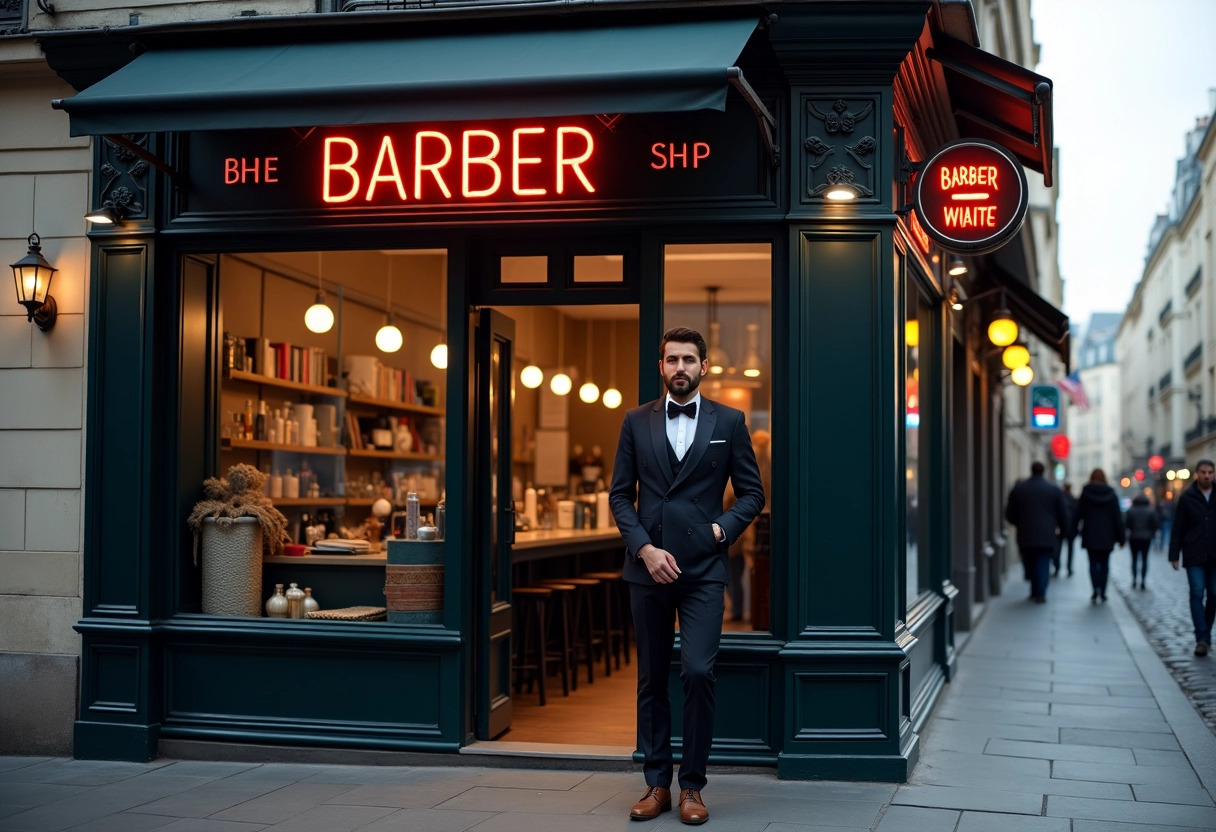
{"points": [[838, 146], [122, 178]]}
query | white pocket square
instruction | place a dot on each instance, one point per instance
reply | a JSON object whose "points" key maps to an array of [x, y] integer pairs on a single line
{"points": [[716, 441]]}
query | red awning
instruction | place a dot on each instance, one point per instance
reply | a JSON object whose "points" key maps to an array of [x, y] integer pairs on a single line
{"points": [[998, 100]]}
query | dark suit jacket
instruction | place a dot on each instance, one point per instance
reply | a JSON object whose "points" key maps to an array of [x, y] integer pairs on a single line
{"points": [[1038, 509], [677, 513]]}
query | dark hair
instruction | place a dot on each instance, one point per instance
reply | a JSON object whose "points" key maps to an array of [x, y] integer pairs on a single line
{"points": [[1036, 469], [1097, 475], [683, 335], [1206, 462]]}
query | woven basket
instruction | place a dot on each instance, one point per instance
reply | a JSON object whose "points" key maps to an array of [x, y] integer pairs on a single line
{"points": [[351, 614], [232, 566]]}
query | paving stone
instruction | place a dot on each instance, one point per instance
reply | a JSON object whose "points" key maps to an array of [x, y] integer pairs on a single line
{"points": [[988, 822], [13, 763], [1119, 739], [535, 801], [399, 796], [1202, 817], [1060, 751], [1151, 757], [36, 794], [207, 825], [284, 803], [1132, 775], [1170, 793], [1111, 826], [984, 800], [209, 798], [430, 820], [914, 819], [125, 822], [331, 819]]}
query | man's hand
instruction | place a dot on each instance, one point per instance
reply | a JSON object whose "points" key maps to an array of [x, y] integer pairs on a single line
{"points": [[659, 562], [1174, 564], [718, 534]]}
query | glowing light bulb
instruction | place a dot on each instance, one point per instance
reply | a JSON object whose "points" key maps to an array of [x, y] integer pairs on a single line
{"points": [[561, 384], [439, 357], [531, 376], [389, 339], [612, 398], [319, 317], [1023, 375], [589, 392]]}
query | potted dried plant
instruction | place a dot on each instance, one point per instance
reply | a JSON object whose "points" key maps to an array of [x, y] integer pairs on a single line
{"points": [[236, 524]]}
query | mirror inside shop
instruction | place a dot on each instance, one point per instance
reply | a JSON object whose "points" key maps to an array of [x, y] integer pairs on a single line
{"points": [[334, 385]]}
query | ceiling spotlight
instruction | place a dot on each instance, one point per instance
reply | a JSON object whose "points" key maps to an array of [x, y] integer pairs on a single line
{"points": [[107, 214], [957, 267]]}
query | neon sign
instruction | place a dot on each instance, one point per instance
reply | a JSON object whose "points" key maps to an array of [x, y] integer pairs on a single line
{"points": [[971, 196]]}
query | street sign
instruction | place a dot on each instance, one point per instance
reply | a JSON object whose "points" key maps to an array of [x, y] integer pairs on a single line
{"points": [[971, 196], [1044, 407]]}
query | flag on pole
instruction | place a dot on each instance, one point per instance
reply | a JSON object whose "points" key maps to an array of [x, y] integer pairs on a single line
{"points": [[1071, 384]]}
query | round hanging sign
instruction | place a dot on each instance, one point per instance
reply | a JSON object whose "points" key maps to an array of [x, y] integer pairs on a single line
{"points": [[971, 196]]}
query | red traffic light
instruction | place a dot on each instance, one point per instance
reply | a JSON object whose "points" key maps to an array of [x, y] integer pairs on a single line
{"points": [[1060, 446], [1139, 475], [1155, 463]]}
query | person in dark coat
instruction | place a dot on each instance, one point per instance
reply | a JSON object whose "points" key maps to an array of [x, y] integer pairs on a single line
{"points": [[1068, 535], [1194, 537], [1101, 525], [1038, 509], [1142, 523]]}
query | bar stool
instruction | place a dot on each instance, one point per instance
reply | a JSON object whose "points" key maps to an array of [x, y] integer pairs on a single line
{"points": [[582, 625], [563, 599], [529, 602], [616, 605]]}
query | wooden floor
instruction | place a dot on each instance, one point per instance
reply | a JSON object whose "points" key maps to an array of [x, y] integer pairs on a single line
{"points": [[603, 713]]}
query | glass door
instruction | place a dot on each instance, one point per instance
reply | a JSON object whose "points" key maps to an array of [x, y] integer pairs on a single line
{"points": [[494, 537]]}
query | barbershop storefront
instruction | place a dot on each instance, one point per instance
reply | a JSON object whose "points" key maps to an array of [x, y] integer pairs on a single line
{"points": [[522, 200]]}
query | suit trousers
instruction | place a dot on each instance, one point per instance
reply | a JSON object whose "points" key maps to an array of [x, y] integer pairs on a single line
{"points": [[700, 606]]}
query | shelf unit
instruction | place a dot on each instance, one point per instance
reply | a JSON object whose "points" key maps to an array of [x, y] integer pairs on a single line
{"points": [[230, 443], [285, 384], [389, 404]]}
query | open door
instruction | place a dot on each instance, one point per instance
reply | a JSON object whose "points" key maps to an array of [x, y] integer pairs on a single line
{"points": [[494, 520]]}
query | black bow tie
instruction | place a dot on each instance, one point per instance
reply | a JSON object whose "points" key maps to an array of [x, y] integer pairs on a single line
{"points": [[674, 410]]}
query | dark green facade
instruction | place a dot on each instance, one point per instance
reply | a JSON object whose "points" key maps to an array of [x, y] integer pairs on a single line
{"points": [[849, 671]]}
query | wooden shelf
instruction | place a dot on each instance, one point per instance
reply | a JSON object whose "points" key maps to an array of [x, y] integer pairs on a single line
{"points": [[389, 404], [378, 454], [367, 501], [229, 444], [256, 378], [308, 501]]}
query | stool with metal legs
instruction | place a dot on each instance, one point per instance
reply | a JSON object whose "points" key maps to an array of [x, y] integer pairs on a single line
{"points": [[582, 625], [530, 602]]}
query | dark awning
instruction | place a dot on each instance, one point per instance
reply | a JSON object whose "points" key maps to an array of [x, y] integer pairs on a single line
{"points": [[1031, 310], [998, 100], [625, 69]]}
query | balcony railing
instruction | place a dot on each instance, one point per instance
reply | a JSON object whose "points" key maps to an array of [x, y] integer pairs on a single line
{"points": [[1192, 358], [1193, 283], [1165, 312], [1165, 381]]}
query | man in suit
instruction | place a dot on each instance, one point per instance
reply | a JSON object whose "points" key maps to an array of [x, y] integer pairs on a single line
{"points": [[673, 459], [1040, 512]]}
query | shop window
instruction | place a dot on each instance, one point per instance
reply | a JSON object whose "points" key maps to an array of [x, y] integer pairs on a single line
{"points": [[918, 347], [514, 271], [343, 430], [724, 291], [604, 268]]}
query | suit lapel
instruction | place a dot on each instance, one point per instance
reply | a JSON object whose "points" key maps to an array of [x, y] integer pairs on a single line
{"points": [[705, 429], [658, 437]]}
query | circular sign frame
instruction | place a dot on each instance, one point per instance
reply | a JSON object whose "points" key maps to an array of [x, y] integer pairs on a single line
{"points": [[984, 217]]}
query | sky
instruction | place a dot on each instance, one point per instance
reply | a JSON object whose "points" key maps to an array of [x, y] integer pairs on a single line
{"points": [[1129, 78]]}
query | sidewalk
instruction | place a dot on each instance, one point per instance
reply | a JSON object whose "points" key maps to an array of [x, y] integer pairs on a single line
{"points": [[1062, 719]]}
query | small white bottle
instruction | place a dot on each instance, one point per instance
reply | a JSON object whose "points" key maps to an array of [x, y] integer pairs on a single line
{"points": [[291, 486]]}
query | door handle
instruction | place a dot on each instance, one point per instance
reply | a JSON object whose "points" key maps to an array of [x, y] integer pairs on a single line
{"points": [[509, 515]]}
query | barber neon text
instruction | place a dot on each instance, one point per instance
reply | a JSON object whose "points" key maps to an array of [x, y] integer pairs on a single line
{"points": [[433, 165]]}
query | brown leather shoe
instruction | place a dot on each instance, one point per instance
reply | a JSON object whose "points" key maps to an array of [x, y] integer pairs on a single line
{"points": [[692, 810], [656, 801]]}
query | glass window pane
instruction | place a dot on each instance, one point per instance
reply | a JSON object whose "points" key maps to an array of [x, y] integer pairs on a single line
{"points": [[724, 291], [515, 270], [599, 268], [918, 333]]}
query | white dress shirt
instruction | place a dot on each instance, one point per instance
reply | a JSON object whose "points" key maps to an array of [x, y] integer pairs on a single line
{"points": [[682, 429]]}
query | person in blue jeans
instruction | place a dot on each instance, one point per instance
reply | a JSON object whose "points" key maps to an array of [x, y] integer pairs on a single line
{"points": [[1193, 541]]}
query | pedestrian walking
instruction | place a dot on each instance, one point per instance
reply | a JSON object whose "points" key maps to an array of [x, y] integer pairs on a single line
{"points": [[1101, 525], [673, 460], [1068, 535], [1141, 522], [1165, 516], [1038, 510], [1194, 537]]}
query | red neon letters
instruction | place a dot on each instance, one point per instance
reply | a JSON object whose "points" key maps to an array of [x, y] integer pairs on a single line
{"points": [[470, 165]]}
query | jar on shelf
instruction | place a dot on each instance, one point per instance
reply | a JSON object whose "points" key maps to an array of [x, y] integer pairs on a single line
{"points": [[310, 603], [295, 601], [276, 605]]}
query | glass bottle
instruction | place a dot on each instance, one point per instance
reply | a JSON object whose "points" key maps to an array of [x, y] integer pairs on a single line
{"points": [[310, 603], [276, 605], [411, 515], [295, 601]]}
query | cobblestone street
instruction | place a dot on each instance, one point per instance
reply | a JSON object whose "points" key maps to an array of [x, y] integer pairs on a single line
{"points": [[1164, 613]]}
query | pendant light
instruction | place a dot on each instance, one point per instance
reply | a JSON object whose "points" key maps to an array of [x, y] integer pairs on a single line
{"points": [[717, 357], [1002, 328], [612, 397], [1023, 375], [751, 363], [439, 353], [319, 317], [388, 337], [590, 391], [531, 376], [561, 384]]}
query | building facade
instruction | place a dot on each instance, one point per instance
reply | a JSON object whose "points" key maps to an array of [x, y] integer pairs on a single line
{"points": [[1164, 343], [1094, 429], [851, 605]]}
